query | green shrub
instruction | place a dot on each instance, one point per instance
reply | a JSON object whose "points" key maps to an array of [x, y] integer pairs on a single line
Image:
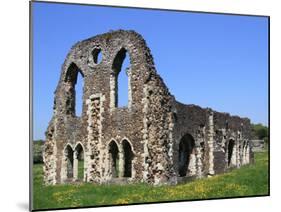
{"points": [[38, 151], [259, 131]]}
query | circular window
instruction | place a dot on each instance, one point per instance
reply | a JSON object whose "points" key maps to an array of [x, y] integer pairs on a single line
{"points": [[97, 55]]}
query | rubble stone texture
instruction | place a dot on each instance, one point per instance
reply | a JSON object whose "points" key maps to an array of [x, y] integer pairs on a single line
{"points": [[155, 139]]}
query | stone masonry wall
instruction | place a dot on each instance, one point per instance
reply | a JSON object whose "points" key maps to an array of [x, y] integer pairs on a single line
{"points": [[155, 139]]}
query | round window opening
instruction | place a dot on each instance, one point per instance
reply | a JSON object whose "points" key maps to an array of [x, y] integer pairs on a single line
{"points": [[97, 55]]}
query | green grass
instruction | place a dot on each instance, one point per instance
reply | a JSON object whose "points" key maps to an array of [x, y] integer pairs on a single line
{"points": [[246, 181]]}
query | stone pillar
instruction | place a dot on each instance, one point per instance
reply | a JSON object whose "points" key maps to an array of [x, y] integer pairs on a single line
{"points": [[211, 144], [121, 162], [247, 161], [198, 162], [50, 162], [192, 164], [173, 174], [129, 73], [238, 154], [243, 155], [112, 83], [145, 155], [50, 154], [75, 165], [94, 145], [224, 140], [64, 168]]}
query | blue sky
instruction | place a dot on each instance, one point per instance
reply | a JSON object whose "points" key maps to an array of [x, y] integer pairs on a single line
{"points": [[212, 60]]}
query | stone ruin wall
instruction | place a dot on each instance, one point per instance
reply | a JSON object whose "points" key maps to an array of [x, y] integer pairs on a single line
{"points": [[152, 125], [212, 132]]}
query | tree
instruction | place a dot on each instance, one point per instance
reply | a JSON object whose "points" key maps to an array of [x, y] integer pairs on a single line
{"points": [[38, 151], [260, 132]]}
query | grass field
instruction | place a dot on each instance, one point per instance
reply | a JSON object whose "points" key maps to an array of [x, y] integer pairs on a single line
{"points": [[246, 181]]}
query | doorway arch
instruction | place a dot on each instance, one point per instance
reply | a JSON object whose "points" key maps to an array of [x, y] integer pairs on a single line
{"points": [[78, 169], [230, 148], [128, 158], [68, 152], [113, 159], [186, 149]]}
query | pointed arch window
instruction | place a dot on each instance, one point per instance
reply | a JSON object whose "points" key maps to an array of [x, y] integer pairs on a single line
{"points": [[120, 80], [74, 84]]}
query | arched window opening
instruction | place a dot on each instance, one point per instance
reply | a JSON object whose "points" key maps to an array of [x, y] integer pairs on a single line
{"points": [[79, 95], [230, 151], [79, 162], [121, 68], [186, 149], [114, 159], [97, 55], [74, 90], [69, 164], [128, 157]]}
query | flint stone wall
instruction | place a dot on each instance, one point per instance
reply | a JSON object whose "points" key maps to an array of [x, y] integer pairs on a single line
{"points": [[153, 125]]}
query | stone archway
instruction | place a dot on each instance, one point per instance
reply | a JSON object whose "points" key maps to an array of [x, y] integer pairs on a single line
{"points": [[120, 80], [186, 156], [113, 152], [247, 152], [74, 83], [68, 153], [230, 152], [78, 163], [128, 158]]}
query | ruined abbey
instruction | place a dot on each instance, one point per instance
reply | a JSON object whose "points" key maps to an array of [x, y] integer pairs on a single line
{"points": [[154, 139]]}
